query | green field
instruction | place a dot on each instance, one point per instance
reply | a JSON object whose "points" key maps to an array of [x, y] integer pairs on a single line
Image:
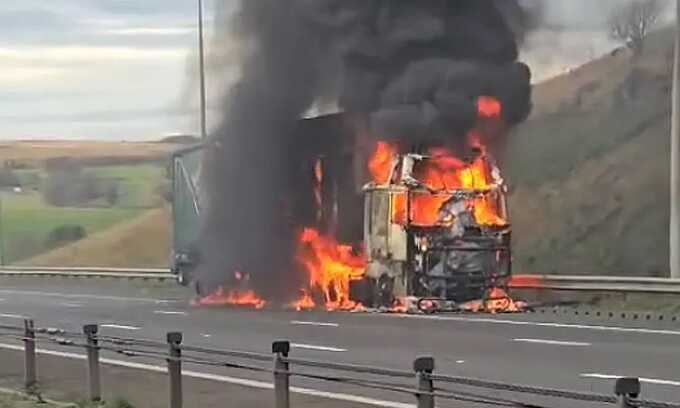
{"points": [[90, 192], [28, 221], [137, 183]]}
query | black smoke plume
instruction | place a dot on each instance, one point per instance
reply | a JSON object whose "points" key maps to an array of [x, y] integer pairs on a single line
{"points": [[415, 68]]}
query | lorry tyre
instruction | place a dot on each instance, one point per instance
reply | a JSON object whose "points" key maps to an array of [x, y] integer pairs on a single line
{"points": [[385, 291]]}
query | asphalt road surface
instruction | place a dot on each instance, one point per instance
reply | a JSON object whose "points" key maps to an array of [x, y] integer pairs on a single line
{"points": [[531, 349]]}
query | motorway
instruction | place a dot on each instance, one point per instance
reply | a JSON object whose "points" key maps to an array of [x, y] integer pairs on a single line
{"points": [[531, 349]]}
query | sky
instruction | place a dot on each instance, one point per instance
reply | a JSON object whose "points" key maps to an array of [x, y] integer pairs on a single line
{"points": [[125, 69], [97, 69]]}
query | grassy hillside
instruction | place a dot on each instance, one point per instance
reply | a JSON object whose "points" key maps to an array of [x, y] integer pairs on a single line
{"points": [[590, 169], [35, 152], [46, 204], [27, 222], [138, 243]]}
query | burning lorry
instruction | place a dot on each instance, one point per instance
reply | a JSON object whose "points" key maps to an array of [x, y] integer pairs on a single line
{"points": [[429, 228], [435, 228]]}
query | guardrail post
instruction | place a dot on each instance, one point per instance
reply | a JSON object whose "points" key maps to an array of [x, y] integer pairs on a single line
{"points": [[424, 366], [30, 378], [627, 390], [93, 373], [281, 376], [175, 368]]}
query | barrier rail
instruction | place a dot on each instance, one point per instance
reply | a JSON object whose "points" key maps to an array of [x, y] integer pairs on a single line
{"points": [[84, 272], [583, 283], [421, 382], [596, 283]]}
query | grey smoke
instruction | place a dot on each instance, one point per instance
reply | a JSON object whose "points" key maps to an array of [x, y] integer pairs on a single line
{"points": [[414, 67]]}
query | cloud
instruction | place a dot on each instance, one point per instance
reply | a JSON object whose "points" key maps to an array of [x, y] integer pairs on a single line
{"points": [[94, 67], [79, 54], [145, 7]]}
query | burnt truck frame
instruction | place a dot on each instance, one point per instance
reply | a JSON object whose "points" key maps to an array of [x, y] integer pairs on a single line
{"points": [[407, 260]]}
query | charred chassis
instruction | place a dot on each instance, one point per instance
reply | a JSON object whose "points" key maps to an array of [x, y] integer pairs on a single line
{"points": [[455, 259]]}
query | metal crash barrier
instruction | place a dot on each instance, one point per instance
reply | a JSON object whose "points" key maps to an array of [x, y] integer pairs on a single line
{"points": [[421, 382]]}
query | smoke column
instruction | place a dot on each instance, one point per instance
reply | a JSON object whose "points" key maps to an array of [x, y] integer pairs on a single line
{"points": [[414, 68]]}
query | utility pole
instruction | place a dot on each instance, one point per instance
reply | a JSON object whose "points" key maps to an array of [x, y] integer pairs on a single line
{"points": [[675, 157], [201, 52]]}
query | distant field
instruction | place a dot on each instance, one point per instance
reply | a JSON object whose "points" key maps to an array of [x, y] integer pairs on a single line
{"points": [[39, 151], [28, 221], [138, 183], [142, 242], [133, 180]]}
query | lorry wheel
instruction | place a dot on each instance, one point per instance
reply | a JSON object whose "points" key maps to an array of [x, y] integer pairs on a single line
{"points": [[182, 279], [385, 291]]}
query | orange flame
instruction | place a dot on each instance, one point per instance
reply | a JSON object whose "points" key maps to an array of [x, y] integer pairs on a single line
{"points": [[331, 268], [380, 163], [489, 107], [442, 171], [497, 301], [234, 297], [304, 303]]}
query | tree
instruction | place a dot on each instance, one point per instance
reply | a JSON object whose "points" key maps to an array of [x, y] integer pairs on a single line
{"points": [[632, 21]]}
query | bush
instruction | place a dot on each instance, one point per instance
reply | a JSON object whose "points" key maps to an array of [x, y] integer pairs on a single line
{"points": [[69, 185], [115, 403], [8, 178], [164, 190], [65, 234]]}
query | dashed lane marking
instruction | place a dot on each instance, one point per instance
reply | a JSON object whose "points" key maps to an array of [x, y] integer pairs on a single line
{"points": [[83, 296], [12, 316], [170, 312], [545, 324], [120, 326], [321, 324], [642, 379], [553, 342], [317, 348]]}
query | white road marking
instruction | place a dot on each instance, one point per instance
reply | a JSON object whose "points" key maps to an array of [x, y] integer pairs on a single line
{"points": [[225, 379], [119, 326], [69, 304], [553, 342], [82, 296], [317, 348], [544, 324], [460, 361], [642, 379], [206, 335], [12, 316], [170, 312], [301, 323]]}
